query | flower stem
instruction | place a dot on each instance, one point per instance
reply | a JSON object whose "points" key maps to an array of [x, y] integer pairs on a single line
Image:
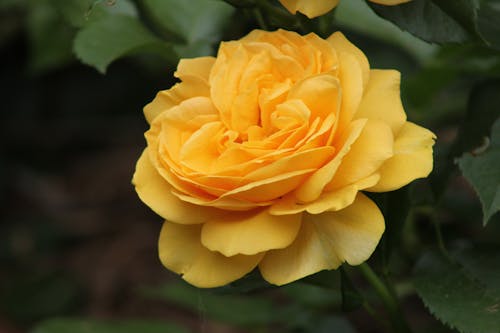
{"points": [[391, 303]]}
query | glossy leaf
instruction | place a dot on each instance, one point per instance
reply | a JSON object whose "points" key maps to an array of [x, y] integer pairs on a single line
{"points": [[454, 297], [483, 172], [114, 36], [198, 23], [424, 19]]}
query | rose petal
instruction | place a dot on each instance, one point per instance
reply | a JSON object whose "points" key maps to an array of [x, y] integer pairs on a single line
{"points": [[382, 99], [156, 192], [250, 233], [327, 201], [351, 81], [370, 150], [342, 44], [412, 158], [321, 94], [195, 68], [310, 8], [312, 188], [181, 251], [325, 241], [194, 76]]}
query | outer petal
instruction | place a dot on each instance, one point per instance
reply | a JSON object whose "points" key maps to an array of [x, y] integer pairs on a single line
{"points": [[390, 2], [312, 188], [156, 192], [382, 99], [325, 241], [181, 251], [412, 158], [342, 44], [250, 233], [310, 8], [373, 147], [328, 201], [194, 75]]}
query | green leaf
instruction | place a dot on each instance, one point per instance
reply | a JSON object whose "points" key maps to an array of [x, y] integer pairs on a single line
{"points": [[487, 22], [237, 310], [81, 12], [483, 172], [49, 37], [114, 36], [482, 110], [332, 324], [424, 19], [198, 23], [482, 264], [76, 325], [454, 297], [368, 23], [311, 296]]}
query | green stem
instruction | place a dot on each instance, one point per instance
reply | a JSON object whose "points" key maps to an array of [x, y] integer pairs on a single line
{"points": [[390, 301]]}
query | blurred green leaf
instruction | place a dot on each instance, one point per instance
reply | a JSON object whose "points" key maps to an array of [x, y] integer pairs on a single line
{"points": [[198, 23], [483, 172], [114, 36], [481, 263], [80, 12], [330, 324], [76, 325], [368, 23], [456, 299], [49, 37], [482, 110], [236, 310], [424, 19], [311, 296], [487, 22]]}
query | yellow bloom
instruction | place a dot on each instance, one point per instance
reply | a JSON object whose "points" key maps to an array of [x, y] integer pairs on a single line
{"points": [[314, 8], [256, 158]]}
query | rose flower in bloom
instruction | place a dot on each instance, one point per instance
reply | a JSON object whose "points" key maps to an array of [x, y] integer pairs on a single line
{"points": [[257, 158], [313, 8]]}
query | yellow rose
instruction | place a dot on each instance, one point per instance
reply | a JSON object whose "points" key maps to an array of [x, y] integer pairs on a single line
{"points": [[313, 8], [257, 157]]}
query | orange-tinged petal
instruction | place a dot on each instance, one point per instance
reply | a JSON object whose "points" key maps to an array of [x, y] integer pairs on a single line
{"points": [[412, 158], [312, 188], [194, 76], [250, 233], [351, 81], [156, 192], [195, 68], [181, 251], [327, 201], [321, 94], [310, 8], [370, 150], [271, 188], [342, 44], [382, 100], [325, 241]]}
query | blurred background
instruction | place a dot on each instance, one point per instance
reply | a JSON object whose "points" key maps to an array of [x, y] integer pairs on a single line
{"points": [[75, 241]]}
